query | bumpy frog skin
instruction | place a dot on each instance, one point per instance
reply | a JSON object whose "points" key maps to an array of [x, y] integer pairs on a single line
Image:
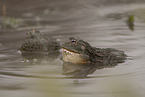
{"points": [[79, 51], [36, 42]]}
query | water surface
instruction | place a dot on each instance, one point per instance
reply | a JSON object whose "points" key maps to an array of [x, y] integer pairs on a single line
{"points": [[101, 23]]}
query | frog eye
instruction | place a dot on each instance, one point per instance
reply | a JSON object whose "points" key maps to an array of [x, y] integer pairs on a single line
{"points": [[73, 41]]}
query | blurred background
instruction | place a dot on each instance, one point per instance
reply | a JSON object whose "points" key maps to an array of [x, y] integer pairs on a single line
{"points": [[118, 24]]}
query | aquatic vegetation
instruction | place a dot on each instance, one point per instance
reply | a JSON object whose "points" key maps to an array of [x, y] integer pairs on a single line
{"points": [[130, 22], [11, 22]]}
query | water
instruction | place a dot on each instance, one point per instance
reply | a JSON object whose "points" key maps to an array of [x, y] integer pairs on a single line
{"points": [[101, 23]]}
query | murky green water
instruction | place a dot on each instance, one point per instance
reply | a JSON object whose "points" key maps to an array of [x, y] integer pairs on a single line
{"points": [[101, 23]]}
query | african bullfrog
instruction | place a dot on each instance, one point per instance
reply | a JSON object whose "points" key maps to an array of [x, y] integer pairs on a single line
{"points": [[79, 51], [37, 46], [36, 42]]}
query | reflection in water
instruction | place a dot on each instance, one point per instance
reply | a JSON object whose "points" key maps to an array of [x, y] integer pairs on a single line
{"points": [[82, 70], [41, 56]]}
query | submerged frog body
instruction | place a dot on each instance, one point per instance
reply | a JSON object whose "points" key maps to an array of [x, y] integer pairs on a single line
{"points": [[79, 51], [83, 70], [36, 43]]}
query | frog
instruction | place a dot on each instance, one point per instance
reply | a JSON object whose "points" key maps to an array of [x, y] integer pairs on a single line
{"points": [[36, 42], [79, 51], [38, 46]]}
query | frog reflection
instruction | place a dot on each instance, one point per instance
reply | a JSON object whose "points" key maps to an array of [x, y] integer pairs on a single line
{"points": [[39, 57], [83, 70]]}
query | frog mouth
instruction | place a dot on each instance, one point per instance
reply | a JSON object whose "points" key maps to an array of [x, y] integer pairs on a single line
{"points": [[70, 51], [72, 56]]}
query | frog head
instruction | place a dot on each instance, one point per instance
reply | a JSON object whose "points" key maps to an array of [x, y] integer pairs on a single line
{"points": [[77, 51]]}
